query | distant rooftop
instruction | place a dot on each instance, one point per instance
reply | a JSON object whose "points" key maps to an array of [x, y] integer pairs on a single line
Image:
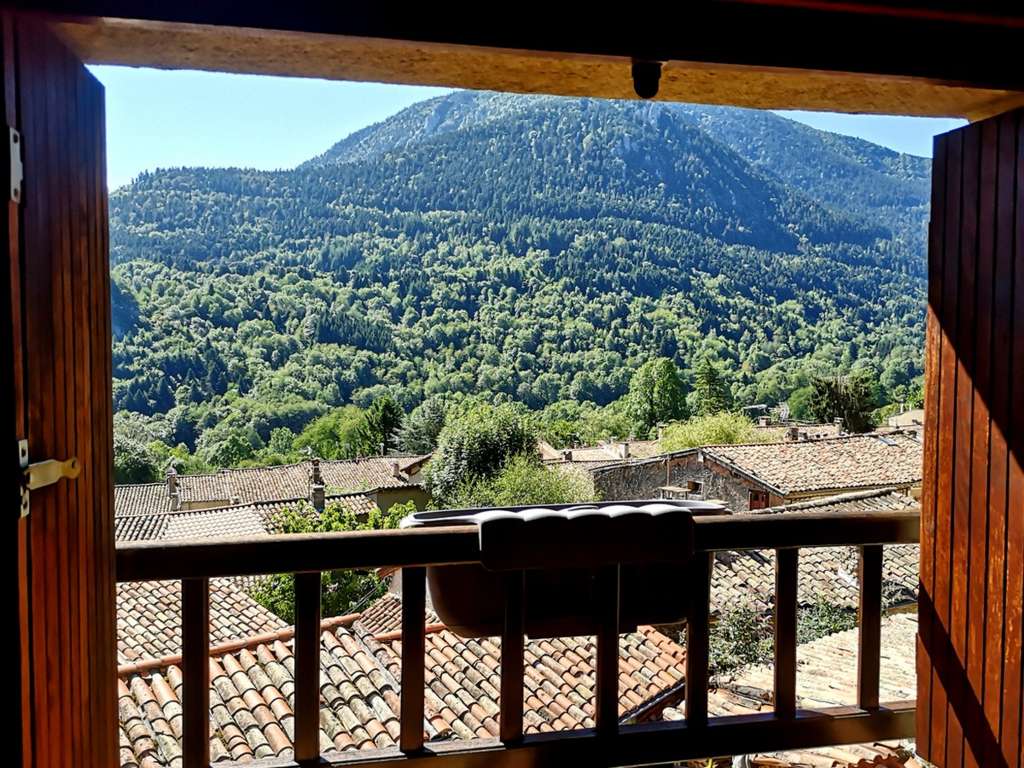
{"points": [[235, 487], [892, 459]]}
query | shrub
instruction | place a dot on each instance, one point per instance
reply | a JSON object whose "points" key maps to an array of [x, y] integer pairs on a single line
{"points": [[717, 429], [341, 592]]}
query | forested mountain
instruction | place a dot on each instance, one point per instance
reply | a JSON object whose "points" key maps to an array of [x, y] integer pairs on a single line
{"points": [[538, 247]]}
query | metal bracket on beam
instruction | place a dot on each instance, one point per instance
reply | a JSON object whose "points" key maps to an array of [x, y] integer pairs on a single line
{"points": [[17, 169], [42, 473]]}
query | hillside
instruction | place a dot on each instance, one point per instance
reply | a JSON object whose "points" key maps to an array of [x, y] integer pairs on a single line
{"points": [[533, 246]]}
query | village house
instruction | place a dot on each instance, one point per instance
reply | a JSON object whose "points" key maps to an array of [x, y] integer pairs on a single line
{"points": [[242, 501], [761, 475]]}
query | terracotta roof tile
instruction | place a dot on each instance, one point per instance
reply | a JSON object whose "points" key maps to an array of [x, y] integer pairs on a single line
{"points": [[149, 617], [847, 462], [241, 520], [827, 574], [252, 691], [263, 484]]}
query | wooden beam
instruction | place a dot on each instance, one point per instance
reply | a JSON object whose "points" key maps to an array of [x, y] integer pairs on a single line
{"points": [[697, 639], [765, 57], [606, 700], [195, 672], [869, 613], [646, 744], [307, 666], [413, 644], [511, 703], [786, 579], [805, 530], [296, 553]]}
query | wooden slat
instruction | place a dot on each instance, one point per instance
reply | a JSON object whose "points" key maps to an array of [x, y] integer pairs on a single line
{"points": [[413, 617], [195, 672], [1000, 409], [930, 469], [606, 704], [1012, 727], [786, 577], [981, 433], [869, 615], [512, 640], [698, 586], [307, 666]]}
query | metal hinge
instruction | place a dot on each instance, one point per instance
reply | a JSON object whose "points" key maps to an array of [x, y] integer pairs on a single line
{"points": [[17, 169], [42, 473]]}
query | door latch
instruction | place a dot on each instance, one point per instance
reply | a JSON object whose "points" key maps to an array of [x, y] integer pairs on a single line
{"points": [[42, 473]]}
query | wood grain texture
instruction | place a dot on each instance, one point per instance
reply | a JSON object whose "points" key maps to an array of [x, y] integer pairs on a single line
{"points": [[972, 526], [66, 560]]}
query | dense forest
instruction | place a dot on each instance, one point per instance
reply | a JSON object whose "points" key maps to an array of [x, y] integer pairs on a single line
{"points": [[529, 249]]}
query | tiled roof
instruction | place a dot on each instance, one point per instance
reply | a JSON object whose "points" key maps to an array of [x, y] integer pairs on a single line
{"points": [[243, 520], [826, 677], [149, 617], [826, 574], [251, 703], [252, 690], [848, 462], [384, 615], [261, 484], [463, 679], [205, 523], [877, 500], [141, 499], [827, 668]]}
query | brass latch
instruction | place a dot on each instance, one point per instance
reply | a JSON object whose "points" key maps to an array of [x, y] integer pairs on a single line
{"points": [[42, 473]]}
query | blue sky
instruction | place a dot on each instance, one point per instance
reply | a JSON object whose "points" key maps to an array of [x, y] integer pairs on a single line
{"points": [[158, 119]]}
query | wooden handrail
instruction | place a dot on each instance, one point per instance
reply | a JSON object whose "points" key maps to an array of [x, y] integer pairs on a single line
{"points": [[458, 545], [788, 727]]}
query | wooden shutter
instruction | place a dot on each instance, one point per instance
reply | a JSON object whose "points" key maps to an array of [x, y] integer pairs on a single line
{"points": [[972, 523], [56, 394]]}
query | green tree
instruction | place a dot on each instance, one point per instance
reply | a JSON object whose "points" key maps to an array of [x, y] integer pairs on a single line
{"points": [[850, 398], [423, 425], [711, 393], [341, 592], [656, 394], [133, 462], [476, 446], [378, 432], [719, 429], [524, 480], [336, 435]]}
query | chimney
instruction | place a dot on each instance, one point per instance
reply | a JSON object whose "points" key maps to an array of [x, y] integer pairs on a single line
{"points": [[839, 423], [172, 487], [803, 436], [317, 491], [396, 470], [623, 449], [793, 434], [567, 455], [763, 421], [661, 429]]}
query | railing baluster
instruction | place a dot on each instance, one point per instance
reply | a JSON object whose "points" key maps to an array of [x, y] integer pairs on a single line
{"points": [[307, 666], [606, 706], [413, 645], [511, 723], [195, 672], [697, 639], [869, 646], [787, 562]]}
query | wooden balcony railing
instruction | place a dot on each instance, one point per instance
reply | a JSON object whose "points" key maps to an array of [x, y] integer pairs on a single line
{"points": [[609, 744]]}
